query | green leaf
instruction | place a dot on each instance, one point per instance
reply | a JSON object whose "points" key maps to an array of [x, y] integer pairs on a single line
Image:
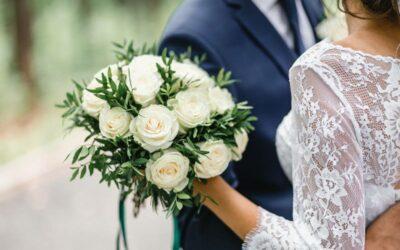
{"points": [[127, 98], [140, 173], [61, 106], [76, 155], [78, 86], [140, 161], [184, 196], [164, 55], [91, 169], [127, 164], [84, 153], [83, 172], [179, 205], [68, 155], [96, 90], [74, 174]]}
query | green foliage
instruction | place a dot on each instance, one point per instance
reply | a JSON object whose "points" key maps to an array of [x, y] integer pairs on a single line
{"points": [[223, 127], [74, 113], [122, 161], [223, 79], [197, 59], [126, 51], [171, 85]]}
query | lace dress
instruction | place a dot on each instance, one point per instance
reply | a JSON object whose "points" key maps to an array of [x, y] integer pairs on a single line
{"points": [[340, 145]]}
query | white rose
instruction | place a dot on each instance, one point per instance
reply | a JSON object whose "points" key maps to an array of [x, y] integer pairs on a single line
{"points": [[215, 162], [192, 75], [241, 139], [220, 100], [114, 122], [169, 171], [91, 104], [155, 127], [144, 81], [191, 107]]}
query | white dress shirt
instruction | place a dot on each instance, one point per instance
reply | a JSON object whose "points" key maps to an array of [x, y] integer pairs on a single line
{"points": [[276, 15]]}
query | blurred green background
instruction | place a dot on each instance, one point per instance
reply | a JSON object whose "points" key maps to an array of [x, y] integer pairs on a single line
{"points": [[46, 43]]}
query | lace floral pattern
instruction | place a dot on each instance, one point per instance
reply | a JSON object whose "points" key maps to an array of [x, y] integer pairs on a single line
{"points": [[344, 151]]}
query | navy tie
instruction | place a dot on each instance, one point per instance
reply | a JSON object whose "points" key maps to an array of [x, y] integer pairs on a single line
{"points": [[292, 14]]}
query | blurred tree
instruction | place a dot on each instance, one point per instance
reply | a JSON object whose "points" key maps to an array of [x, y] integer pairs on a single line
{"points": [[23, 49], [122, 1], [85, 8], [149, 3], [20, 25], [153, 3]]}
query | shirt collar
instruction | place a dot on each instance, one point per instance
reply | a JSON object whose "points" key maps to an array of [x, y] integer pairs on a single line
{"points": [[264, 4]]}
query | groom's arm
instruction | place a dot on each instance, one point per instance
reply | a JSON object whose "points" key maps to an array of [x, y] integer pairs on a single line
{"points": [[179, 43]]}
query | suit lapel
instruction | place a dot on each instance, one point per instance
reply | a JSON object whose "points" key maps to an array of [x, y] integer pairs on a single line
{"points": [[264, 34]]}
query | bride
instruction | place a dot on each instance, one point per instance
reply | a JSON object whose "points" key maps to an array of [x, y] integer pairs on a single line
{"points": [[340, 144]]}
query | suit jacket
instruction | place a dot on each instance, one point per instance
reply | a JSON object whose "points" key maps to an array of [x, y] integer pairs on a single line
{"points": [[236, 36]]}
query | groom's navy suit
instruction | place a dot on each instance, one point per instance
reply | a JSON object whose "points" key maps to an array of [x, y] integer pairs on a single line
{"points": [[235, 35]]}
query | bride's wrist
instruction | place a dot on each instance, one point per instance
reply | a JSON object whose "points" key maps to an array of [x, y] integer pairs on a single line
{"points": [[203, 187], [207, 189]]}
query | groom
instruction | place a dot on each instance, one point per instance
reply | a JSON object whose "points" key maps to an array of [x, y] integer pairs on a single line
{"points": [[258, 40]]}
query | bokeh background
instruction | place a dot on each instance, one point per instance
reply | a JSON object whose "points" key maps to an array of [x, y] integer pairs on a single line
{"points": [[43, 45]]}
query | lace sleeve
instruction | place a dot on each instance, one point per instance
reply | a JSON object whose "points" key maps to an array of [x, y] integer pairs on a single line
{"points": [[284, 141], [328, 186]]}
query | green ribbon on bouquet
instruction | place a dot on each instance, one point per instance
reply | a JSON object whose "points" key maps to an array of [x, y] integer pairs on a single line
{"points": [[121, 236], [177, 235], [122, 228]]}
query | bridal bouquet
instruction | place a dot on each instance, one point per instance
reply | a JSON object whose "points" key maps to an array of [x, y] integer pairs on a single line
{"points": [[155, 124]]}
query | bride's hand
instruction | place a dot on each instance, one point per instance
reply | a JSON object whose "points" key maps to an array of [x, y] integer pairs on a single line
{"points": [[384, 232], [200, 187], [240, 214]]}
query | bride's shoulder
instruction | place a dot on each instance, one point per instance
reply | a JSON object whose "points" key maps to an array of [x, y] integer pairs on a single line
{"points": [[326, 62], [342, 58], [320, 54]]}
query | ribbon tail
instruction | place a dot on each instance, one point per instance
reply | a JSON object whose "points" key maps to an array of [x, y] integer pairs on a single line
{"points": [[122, 227], [177, 235], [118, 245]]}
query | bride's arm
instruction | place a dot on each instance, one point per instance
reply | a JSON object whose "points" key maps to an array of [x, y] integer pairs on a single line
{"points": [[284, 141], [241, 215], [327, 177]]}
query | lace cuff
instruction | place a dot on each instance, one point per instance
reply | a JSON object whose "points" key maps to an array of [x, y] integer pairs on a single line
{"points": [[254, 232], [273, 232]]}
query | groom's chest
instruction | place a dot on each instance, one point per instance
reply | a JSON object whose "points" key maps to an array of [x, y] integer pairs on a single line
{"points": [[261, 81]]}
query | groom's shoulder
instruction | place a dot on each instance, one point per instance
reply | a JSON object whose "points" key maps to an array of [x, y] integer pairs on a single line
{"points": [[200, 17]]}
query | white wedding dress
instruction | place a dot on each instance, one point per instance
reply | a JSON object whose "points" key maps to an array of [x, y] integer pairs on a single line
{"points": [[342, 141]]}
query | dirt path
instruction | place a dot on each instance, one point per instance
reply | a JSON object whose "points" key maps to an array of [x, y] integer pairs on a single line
{"points": [[47, 212]]}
